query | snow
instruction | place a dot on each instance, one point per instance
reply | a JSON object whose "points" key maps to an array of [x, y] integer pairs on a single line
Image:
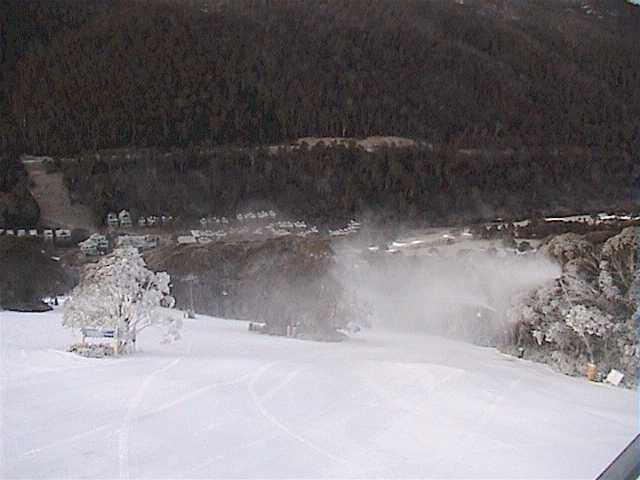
{"points": [[601, 217], [225, 402]]}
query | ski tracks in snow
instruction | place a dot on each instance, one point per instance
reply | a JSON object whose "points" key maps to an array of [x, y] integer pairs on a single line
{"points": [[259, 402], [466, 443], [195, 393], [125, 426], [71, 439], [110, 427]]}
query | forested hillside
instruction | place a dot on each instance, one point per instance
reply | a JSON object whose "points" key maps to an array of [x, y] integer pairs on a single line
{"points": [[326, 184], [91, 74], [31, 26]]}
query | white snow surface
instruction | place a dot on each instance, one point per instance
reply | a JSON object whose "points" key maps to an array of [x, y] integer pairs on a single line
{"points": [[228, 403]]}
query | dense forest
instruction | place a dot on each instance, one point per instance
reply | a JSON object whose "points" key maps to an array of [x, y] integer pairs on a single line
{"points": [[93, 74], [329, 184], [31, 26]]}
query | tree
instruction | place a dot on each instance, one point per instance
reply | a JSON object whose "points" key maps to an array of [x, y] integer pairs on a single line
{"points": [[120, 292], [587, 322], [589, 311], [618, 255]]}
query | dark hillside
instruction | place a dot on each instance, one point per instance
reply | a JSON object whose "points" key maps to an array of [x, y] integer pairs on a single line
{"points": [[29, 26], [508, 72]]}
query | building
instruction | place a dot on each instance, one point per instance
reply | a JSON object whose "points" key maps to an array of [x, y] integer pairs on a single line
{"points": [[125, 219], [95, 245], [88, 248], [204, 239], [112, 220], [63, 235], [142, 242], [187, 240], [103, 244]]}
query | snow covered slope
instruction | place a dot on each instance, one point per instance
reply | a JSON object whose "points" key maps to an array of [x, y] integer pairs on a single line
{"points": [[225, 402]]}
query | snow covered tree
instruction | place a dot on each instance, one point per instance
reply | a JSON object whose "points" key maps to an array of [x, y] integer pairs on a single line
{"points": [[606, 283], [587, 315], [619, 253], [570, 246], [588, 322], [120, 292]]}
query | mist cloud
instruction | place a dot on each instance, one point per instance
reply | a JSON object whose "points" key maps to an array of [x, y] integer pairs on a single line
{"points": [[465, 296]]}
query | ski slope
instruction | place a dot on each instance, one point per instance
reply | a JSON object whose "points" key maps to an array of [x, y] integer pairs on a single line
{"points": [[229, 403]]}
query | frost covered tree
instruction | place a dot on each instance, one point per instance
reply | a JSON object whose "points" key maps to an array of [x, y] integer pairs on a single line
{"points": [[618, 255], [588, 313], [120, 292], [588, 322], [570, 246], [606, 283]]}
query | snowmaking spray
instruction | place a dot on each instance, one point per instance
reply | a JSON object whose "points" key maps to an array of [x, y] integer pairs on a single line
{"points": [[462, 296]]}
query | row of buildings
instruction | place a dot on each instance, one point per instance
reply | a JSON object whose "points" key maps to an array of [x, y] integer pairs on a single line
{"points": [[212, 222], [99, 244], [49, 234], [273, 229], [124, 220]]}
